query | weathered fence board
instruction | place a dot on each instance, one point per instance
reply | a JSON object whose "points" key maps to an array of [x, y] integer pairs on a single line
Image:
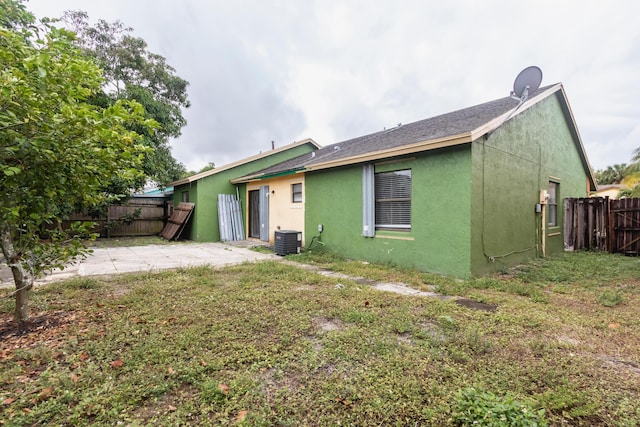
{"points": [[135, 217], [177, 220], [626, 218], [602, 224]]}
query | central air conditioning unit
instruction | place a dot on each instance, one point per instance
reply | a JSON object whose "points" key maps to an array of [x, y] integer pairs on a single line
{"points": [[287, 242]]}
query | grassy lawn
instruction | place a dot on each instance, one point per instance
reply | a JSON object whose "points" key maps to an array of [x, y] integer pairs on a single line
{"points": [[272, 344]]}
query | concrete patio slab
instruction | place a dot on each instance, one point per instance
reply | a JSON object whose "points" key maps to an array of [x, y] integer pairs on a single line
{"points": [[151, 258]]}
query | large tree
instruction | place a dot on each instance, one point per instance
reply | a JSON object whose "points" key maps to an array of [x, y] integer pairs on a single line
{"points": [[57, 149], [133, 72]]}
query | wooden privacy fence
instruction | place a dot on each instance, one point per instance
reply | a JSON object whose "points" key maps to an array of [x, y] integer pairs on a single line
{"points": [[602, 224], [135, 217]]}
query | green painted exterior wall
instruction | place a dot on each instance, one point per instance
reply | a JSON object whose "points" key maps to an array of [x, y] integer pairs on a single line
{"points": [[510, 168], [192, 189], [473, 206], [440, 237], [203, 225]]}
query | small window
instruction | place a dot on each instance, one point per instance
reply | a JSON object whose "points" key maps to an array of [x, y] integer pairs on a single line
{"points": [[296, 193], [185, 196], [393, 200], [552, 204]]}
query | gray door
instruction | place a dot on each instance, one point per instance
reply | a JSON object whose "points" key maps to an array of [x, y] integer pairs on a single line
{"points": [[264, 213], [254, 214]]}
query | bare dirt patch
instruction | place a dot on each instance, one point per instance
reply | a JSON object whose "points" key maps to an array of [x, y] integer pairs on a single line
{"points": [[44, 328], [119, 291], [476, 305], [167, 403], [326, 325], [405, 339], [37, 326], [276, 380], [434, 331], [566, 341], [622, 365]]}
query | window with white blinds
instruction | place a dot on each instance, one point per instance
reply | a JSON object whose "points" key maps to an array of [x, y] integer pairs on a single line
{"points": [[393, 200]]}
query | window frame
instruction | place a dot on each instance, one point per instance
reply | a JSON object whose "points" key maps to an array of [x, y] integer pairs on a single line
{"points": [[552, 204], [294, 193], [387, 201]]}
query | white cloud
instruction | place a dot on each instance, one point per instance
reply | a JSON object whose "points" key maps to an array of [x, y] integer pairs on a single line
{"points": [[332, 70]]}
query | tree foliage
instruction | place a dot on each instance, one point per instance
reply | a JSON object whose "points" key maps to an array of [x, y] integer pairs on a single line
{"points": [[209, 166], [57, 149], [628, 175], [612, 174], [632, 178], [132, 72]]}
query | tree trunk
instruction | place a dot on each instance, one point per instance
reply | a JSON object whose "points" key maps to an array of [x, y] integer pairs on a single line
{"points": [[22, 300], [20, 277]]}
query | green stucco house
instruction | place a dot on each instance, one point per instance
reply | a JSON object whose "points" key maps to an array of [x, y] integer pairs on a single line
{"points": [[203, 188], [464, 193]]}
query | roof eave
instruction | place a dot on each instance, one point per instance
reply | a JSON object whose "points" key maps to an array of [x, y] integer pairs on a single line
{"points": [[258, 177], [416, 147], [494, 124], [576, 135], [369, 157], [231, 165]]}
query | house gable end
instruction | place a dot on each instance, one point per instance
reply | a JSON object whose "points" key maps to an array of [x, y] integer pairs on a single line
{"points": [[513, 165]]}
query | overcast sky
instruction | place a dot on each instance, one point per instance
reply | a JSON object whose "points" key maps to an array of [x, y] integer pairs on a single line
{"points": [[285, 70]]}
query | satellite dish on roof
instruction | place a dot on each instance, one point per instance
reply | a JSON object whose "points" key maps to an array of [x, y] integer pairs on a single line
{"points": [[527, 81]]}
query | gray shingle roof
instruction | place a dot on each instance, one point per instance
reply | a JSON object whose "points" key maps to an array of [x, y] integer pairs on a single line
{"points": [[446, 125]]}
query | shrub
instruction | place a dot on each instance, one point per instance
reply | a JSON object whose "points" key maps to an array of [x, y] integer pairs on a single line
{"points": [[610, 298], [478, 408]]}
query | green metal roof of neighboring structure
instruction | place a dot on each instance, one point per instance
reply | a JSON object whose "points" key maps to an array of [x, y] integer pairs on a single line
{"points": [[167, 191]]}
